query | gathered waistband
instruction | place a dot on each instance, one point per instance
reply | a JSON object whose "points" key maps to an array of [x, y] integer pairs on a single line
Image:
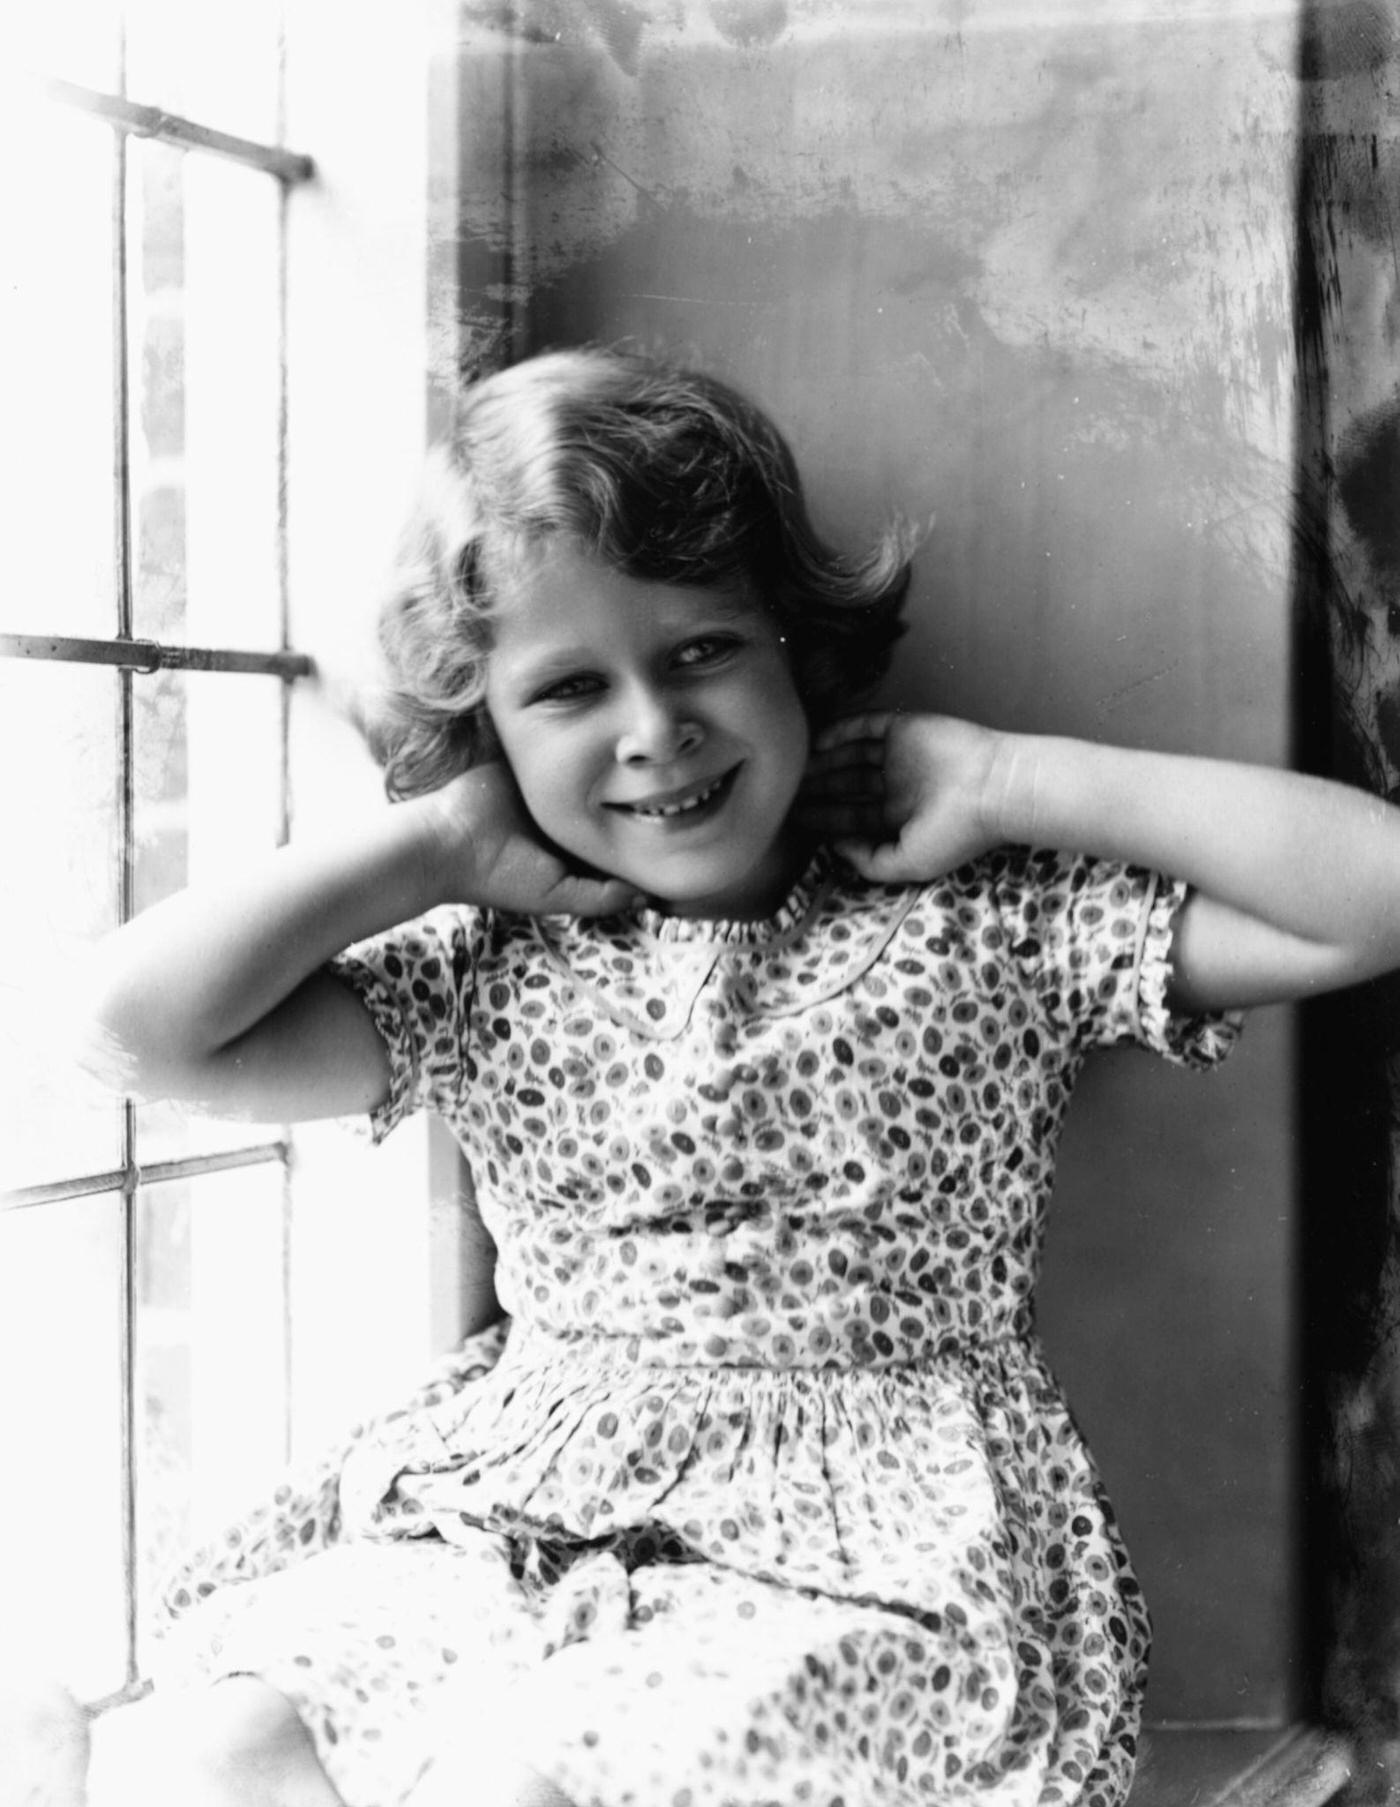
{"points": [[815, 1353]]}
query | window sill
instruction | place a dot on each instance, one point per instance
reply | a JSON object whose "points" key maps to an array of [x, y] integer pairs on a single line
{"points": [[1181, 1766], [1290, 1766]]}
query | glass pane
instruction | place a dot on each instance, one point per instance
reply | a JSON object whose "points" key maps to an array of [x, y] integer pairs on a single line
{"points": [[58, 816], [211, 1360], [156, 324], [215, 64], [205, 351], [208, 800], [60, 1427], [76, 40], [56, 371], [232, 387]]}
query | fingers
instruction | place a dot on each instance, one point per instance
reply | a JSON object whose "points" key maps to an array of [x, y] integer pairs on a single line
{"points": [[843, 787], [859, 749], [845, 784], [883, 863], [842, 796], [848, 770], [857, 851], [871, 725], [593, 897], [837, 819]]}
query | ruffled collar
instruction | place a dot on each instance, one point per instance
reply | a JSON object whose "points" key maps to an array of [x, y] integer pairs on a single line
{"points": [[782, 925], [649, 971]]}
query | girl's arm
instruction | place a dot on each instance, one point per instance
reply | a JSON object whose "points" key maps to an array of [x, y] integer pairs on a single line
{"points": [[1296, 881], [219, 997]]}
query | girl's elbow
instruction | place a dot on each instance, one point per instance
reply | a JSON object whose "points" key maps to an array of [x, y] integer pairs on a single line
{"points": [[104, 1042], [101, 1052], [126, 1065], [129, 1049]]}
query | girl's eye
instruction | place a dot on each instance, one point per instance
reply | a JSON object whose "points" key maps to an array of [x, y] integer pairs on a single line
{"points": [[708, 649], [570, 689]]}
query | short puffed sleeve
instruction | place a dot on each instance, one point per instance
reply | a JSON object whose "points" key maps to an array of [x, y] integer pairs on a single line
{"points": [[417, 983], [1094, 939]]}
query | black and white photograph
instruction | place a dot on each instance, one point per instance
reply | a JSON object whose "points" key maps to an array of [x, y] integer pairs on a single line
{"points": [[650, 648]]}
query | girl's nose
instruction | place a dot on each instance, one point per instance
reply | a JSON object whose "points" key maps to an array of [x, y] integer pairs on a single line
{"points": [[655, 731]]}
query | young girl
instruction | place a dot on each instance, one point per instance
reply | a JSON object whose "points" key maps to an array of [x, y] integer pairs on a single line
{"points": [[758, 1025]]}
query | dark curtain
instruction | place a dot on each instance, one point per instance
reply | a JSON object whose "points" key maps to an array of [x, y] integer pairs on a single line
{"points": [[1348, 515]]}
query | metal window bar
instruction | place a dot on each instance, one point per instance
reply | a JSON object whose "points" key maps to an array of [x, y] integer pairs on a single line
{"points": [[130, 118], [126, 881], [186, 1167], [147, 656], [133, 657], [284, 827]]}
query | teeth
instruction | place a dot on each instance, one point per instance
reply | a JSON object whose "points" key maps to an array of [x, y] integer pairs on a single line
{"points": [[678, 809]]}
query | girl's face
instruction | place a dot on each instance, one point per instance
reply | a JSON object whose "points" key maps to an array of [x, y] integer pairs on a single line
{"points": [[655, 732]]}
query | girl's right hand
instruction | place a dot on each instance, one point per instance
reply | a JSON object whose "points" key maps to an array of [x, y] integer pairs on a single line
{"points": [[481, 846], [220, 996]]}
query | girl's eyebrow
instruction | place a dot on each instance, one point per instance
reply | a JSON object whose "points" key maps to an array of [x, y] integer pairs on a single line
{"points": [[531, 670], [554, 658], [723, 610], [728, 605]]}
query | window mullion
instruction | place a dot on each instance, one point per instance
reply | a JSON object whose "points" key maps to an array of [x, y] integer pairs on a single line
{"points": [[284, 608], [126, 874]]}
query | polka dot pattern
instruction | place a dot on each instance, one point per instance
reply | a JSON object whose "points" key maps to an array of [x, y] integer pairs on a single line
{"points": [[771, 1447]]}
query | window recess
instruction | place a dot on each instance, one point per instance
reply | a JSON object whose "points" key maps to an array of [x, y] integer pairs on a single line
{"points": [[145, 679]]}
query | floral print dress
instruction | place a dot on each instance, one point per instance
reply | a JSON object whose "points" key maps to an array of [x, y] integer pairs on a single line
{"points": [[771, 1497]]}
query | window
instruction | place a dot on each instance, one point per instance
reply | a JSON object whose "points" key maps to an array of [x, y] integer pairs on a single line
{"points": [[146, 694], [183, 1304]]}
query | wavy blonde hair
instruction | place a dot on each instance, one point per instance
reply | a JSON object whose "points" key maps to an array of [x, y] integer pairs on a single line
{"points": [[664, 473]]}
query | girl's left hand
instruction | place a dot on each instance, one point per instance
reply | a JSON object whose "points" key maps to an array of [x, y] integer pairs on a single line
{"points": [[904, 798]]}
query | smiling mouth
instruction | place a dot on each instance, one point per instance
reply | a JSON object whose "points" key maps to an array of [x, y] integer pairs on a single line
{"points": [[682, 803]]}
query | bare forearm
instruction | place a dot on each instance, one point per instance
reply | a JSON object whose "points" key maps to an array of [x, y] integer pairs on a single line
{"points": [[217, 997], [191, 975], [1314, 859]]}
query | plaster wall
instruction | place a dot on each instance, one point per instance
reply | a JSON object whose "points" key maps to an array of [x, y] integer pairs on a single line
{"points": [[1023, 272]]}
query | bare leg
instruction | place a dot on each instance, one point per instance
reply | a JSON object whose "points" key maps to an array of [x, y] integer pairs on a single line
{"points": [[520, 1787], [237, 1744], [43, 1745], [534, 1791], [484, 1779]]}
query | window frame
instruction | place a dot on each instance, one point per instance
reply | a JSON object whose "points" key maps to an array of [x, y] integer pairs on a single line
{"points": [[132, 657]]}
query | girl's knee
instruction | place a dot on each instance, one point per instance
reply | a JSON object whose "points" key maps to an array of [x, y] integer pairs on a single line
{"points": [[488, 1779], [532, 1790], [242, 1732], [43, 1745]]}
